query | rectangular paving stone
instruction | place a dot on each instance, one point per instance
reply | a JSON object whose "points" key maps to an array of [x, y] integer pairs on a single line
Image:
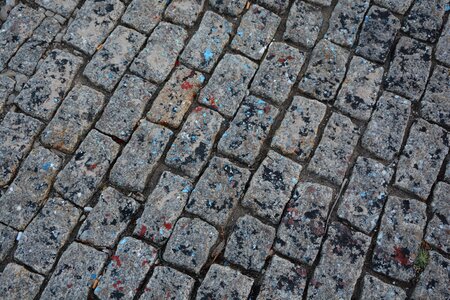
{"points": [[77, 269], [93, 23], [248, 131], [126, 270], [384, 133], [398, 240], [26, 194], [83, 174], [175, 98], [47, 234], [218, 190], [303, 24], [190, 244], [256, 30], [18, 27], [228, 84], [297, 134], [140, 156], [163, 208], [229, 7], [73, 119], [62, 7], [325, 72], [278, 6], [359, 91], [377, 34], [433, 282], [409, 70], [191, 149], [16, 282], [6, 88], [271, 186], [158, 57], [439, 225], [340, 265], [44, 92], [447, 172], [144, 15], [425, 19], [374, 288], [396, 6], [442, 53], [321, 2], [422, 158], [108, 65], [303, 226], [184, 12], [366, 194], [203, 50], [108, 219], [332, 157], [17, 134], [166, 281], [278, 72], [125, 107], [7, 238]]}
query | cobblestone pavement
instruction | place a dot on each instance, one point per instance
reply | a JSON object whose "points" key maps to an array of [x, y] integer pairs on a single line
{"points": [[224, 149]]}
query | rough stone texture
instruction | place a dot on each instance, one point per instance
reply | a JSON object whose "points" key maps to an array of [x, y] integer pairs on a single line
{"points": [[397, 6], [321, 2], [184, 12], [108, 219], [190, 244], [140, 156], [40, 243], [62, 7], [398, 241], [81, 177], [421, 158], [218, 190], [163, 207], [229, 7], [433, 282], [7, 238], [438, 227], [6, 88], [73, 119], [158, 57], [300, 233], [16, 282], [425, 18], [108, 65], [408, 72], [144, 15], [384, 133], [333, 154], [271, 186], [278, 72], [375, 289], [303, 24], [443, 46], [248, 130], [278, 6], [165, 282], [447, 172], [325, 72], [44, 92], [228, 85]]}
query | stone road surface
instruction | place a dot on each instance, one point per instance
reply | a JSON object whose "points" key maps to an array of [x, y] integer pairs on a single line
{"points": [[224, 149]]}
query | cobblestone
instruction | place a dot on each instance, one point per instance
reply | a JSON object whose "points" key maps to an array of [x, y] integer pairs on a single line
{"points": [[443, 45], [374, 288], [303, 24], [433, 281], [165, 282], [16, 282], [397, 6], [62, 7], [424, 20], [184, 12], [275, 5], [229, 7], [144, 15], [438, 227], [7, 238], [6, 88]]}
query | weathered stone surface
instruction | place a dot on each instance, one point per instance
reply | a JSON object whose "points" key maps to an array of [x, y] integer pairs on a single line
{"points": [[218, 190], [7, 238], [77, 269], [125, 107], [81, 177], [397, 6], [278, 72], [158, 57], [408, 72], [62, 7], [190, 244], [256, 30], [300, 233], [340, 266], [297, 134], [163, 207], [248, 130], [443, 46], [144, 15], [438, 227], [127, 269], [140, 156], [433, 282], [399, 238], [191, 149], [375, 289], [73, 119], [228, 85], [203, 50], [224, 283], [363, 201], [229, 7], [384, 133], [165, 282], [44, 92], [41, 241], [26, 194], [421, 159], [93, 23], [303, 24], [321, 2], [378, 33], [425, 18], [184, 12], [6, 88], [275, 5], [334, 152], [108, 65], [325, 72], [108, 219], [447, 172], [271, 186], [16, 282]]}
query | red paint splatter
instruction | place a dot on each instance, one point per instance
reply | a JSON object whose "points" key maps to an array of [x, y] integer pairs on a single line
{"points": [[266, 109], [177, 63], [142, 231], [186, 85], [145, 262], [401, 256], [212, 102], [91, 167], [116, 259], [283, 60], [117, 285], [198, 108], [168, 226], [69, 285]]}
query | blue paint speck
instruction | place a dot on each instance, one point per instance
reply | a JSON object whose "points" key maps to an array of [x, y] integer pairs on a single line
{"points": [[46, 166], [93, 276], [208, 54], [201, 78], [187, 189]]}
